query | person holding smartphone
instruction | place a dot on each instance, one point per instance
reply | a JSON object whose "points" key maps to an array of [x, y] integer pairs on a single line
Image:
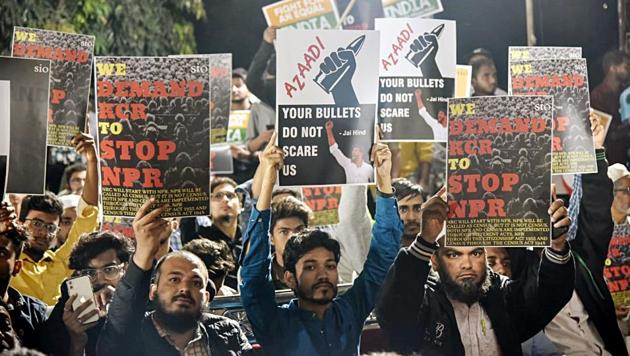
{"points": [[102, 257]]}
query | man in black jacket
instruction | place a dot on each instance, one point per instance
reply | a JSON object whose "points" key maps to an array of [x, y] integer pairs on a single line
{"points": [[588, 324], [178, 325], [469, 309]]}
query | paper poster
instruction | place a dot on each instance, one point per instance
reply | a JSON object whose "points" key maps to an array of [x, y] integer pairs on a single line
{"points": [[153, 134], [362, 14], [536, 53], [412, 8], [30, 87], [221, 159], [237, 131], [119, 225], [617, 265], [5, 131], [603, 118], [463, 81], [326, 89], [324, 202], [567, 81], [302, 14], [220, 71], [416, 77], [70, 58], [499, 176]]}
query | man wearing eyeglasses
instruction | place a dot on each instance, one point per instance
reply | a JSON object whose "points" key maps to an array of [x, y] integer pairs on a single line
{"points": [[103, 258], [225, 208], [43, 270]]}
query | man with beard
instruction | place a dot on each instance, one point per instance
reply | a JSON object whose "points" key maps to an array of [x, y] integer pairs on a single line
{"points": [[103, 258], [410, 198], [178, 326], [469, 310], [43, 270], [317, 322]]}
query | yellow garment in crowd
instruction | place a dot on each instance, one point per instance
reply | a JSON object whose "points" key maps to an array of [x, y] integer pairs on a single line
{"points": [[42, 280], [412, 153]]}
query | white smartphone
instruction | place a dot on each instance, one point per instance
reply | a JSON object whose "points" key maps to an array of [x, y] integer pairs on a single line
{"points": [[82, 287]]}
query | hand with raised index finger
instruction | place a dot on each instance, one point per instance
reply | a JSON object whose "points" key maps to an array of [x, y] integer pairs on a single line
{"points": [[272, 156]]}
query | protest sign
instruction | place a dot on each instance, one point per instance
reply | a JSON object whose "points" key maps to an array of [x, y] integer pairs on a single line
{"points": [[153, 137], [617, 265], [603, 118], [120, 225], [220, 94], [324, 202], [498, 168], [237, 130], [302, 15], [463, 76], [30, 88], [5, 130], [221, 159], [70, 58], [567, 81], [416, 77], [362, 14], [326, 104], [220, 71], [412, 8], [536, 53]]}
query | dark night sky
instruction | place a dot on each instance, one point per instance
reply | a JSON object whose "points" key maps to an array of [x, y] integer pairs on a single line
{"points": [[236, 26]]}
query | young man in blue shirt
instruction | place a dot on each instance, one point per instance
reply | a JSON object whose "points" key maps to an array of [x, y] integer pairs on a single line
{"points": [[318, 322]]}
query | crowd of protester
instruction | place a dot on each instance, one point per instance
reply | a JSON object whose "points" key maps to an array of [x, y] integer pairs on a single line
{"points": [[152, 292]]}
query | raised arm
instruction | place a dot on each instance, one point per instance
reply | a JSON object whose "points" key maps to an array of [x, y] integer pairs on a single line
{"points": [[595, 225], [84, 144], [121, 331], [257, 290], [402, 294], [255, 81], [334, 147], [536, 300], [386, 234]]}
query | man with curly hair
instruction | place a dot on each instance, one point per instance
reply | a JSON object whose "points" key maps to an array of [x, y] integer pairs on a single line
{"points": [[103, 258], [218, 258]]}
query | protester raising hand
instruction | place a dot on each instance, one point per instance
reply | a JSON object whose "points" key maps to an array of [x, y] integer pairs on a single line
{"points": [[151, 233], [271, 161], [382, 158], [434, 212], [560, 219], [84, 144], [599, 134]]}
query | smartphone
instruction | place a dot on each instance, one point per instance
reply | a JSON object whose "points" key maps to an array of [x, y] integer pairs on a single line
{"points": [[82, 287]]}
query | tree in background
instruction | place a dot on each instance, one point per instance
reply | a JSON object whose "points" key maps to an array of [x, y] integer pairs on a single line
{"points": [[121, 27]]}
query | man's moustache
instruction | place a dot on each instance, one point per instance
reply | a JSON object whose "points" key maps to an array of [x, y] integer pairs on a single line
{"points": [[328, 284]]}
